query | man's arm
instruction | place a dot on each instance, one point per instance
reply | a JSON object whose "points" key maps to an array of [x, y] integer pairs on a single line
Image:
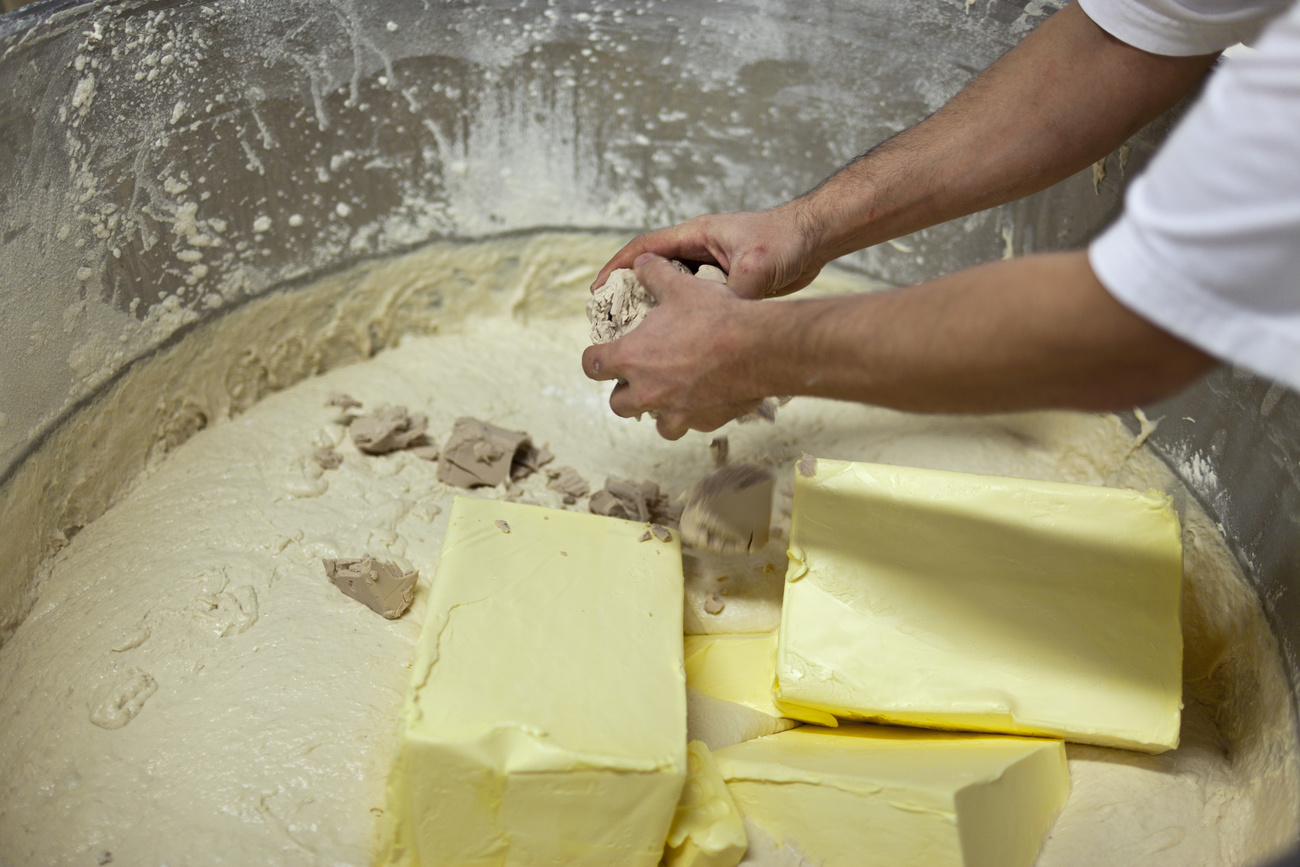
{"points": [[1033, 332], [1068, 94]]}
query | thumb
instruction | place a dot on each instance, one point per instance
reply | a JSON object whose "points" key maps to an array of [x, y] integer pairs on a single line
{"points": [[661, 278], [748, 278], [749, 284]]}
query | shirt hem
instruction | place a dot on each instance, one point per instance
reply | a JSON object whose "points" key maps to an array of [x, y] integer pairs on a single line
{"points": [[1215, 326]]}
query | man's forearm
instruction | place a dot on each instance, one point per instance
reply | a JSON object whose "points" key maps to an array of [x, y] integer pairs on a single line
{"points": [[1033, 332], [1063, 98]]}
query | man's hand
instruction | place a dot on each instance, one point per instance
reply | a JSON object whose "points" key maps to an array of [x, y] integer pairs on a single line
{"points": [[1035, 332], [1066, 96], [766, 253], [686, 362]]}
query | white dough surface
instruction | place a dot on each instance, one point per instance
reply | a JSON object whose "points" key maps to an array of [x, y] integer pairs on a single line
{"points": [[256, 706]]}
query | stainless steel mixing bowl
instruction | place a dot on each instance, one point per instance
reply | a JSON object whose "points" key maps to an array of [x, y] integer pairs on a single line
{"points": [[162, 162]]}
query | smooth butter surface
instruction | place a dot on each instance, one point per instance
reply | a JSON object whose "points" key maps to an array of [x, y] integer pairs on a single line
{"points": [[729, 682], [545, 722], [707, 830], [867, 795], [952, 600]]}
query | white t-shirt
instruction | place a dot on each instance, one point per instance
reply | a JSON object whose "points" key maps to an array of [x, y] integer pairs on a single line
{"points": [[1208, 247]]}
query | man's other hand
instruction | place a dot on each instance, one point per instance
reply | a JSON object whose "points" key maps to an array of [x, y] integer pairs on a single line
{"points": [[765, 253], [686, 363]]}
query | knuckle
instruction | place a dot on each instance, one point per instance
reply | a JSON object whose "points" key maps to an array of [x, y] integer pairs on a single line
{"points": [[641, 395]]}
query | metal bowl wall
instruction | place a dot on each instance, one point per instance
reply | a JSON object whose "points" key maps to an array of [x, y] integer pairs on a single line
{"points": [[162, 162]]}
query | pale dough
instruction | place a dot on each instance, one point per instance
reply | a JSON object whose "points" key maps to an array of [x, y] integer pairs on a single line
{"points": [[189, 687]]}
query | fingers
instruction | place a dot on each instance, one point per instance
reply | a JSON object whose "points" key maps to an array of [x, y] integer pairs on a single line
{"points": [[746, 280], [673, 425], [684, 241], [621, 402], [659, 276], [599, 363], [669, 428]]}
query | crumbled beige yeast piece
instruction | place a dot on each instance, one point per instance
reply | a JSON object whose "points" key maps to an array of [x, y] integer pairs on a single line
{"points": [[619, 304], [478, 453], [730, 511], [388, 430], [425, 452], [342, 401], [718, 451], [712, 273], [383, 587], [566, 480], [634, 501]]}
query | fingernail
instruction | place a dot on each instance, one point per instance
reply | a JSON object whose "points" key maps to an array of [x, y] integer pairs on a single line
{"points": [[642, 259]]}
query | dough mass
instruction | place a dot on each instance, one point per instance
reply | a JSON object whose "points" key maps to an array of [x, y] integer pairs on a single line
{"points": [[189, 686]]}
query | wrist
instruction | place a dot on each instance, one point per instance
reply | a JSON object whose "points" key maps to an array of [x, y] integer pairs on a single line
{"points": [[808, 225], [847, 212], [758, 349]]}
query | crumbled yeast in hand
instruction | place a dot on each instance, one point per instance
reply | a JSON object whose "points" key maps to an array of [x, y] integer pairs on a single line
{"points": [[622, 302], [619, 305]]}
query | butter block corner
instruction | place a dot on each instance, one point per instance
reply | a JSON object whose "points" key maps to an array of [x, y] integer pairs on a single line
{"points": [[878, 796], [707, 830], [957, 601]]}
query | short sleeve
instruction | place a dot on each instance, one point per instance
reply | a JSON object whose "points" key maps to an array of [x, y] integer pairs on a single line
{"points": [[1183, 28], [1208, 246]]}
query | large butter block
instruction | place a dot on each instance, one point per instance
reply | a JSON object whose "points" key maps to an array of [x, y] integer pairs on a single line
{"points": [[729, 688], [545, 723], [868, 795], [950, 600], [707, 830]]}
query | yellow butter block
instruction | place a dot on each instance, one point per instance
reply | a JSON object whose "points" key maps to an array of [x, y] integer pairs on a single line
{"points": [[951, 600], [545, 722], [707, 830], [879, 796], [729, 688]]}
